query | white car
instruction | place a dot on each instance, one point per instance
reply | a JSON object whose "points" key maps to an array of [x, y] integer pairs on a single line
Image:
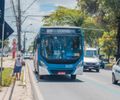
{"points": [[91, 59], [116, 72], [28, 55]]}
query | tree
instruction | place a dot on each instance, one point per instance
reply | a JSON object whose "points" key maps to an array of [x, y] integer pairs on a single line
{"points": [[92, 32], [112, 9], [88, 6], [108, 43], [107, 13], [65, 16]]}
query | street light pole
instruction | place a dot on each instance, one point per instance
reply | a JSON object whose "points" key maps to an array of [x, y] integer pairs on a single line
{"points": [[19, 26], [2, 22], [24, 43], [2, 52]]}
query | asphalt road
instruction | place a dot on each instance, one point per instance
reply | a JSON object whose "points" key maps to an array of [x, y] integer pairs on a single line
{"points": [[89, 86]]}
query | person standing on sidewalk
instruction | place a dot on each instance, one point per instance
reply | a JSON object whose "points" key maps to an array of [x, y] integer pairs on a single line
{"points": [[18, 66]]}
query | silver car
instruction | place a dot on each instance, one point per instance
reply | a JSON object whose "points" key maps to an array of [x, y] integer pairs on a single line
{"points": [[116, 72]]}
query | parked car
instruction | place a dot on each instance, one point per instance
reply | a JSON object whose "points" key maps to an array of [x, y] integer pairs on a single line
{"points": [[116, 72], [5, 54], [103, 62]]}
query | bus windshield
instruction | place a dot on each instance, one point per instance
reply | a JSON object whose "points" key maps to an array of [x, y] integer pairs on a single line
{"points": [[61, 48]]}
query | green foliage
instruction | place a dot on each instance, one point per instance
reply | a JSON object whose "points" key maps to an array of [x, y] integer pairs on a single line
{"points": [[6, 43], [106, 11], [112, 12], [107, 14], [108, 43], [65, 16], [92, 32], [89, 6], [6, 77], [111, 7]]}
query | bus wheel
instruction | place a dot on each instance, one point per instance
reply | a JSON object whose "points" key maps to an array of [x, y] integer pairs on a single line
{"points": [[114, 81], [73, 77]]}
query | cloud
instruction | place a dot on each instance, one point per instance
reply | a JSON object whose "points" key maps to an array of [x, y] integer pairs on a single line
{"points": [[66, 3]]}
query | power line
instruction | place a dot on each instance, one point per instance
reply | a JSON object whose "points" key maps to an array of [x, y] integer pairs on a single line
{"points": [[33, 16], [15, 15], [29, 6]]}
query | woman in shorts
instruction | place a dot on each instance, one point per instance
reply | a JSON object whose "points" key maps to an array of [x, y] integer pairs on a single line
{"points": [[18, 67]]}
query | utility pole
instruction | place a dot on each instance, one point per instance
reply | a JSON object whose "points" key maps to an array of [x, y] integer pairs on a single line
{"points": [[2, 24], [19, 26]]}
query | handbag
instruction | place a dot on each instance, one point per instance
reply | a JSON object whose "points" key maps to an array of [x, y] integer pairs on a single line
{"points": [[23, 63]]}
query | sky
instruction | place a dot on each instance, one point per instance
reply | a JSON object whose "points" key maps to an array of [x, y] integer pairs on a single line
{"points": [[39, 7]]}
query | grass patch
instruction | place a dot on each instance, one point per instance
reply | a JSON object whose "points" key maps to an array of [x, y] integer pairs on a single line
{"points": [[6, 77]]}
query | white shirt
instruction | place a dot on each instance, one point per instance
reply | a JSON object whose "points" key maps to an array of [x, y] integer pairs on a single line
{"points": [[18, 62]]}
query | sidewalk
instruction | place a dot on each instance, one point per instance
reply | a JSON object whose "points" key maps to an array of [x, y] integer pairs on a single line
{"points": [[8, 62], [20, 90]]}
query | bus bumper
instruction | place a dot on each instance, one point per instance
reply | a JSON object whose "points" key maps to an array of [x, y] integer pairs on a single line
{"points": [[45, 71]]}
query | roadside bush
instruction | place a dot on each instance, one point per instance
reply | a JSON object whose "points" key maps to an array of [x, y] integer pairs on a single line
{"points": [[6, 77], [109, 66]]}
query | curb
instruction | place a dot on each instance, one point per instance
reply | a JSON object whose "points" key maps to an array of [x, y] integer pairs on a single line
{"points": [[35, 88], [8, 95]]}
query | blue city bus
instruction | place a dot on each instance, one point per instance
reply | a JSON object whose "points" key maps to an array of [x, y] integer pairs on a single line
{"points": [[59, 51]]}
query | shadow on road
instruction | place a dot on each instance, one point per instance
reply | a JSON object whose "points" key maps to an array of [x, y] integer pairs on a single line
{"points": [[56, 78], [90, 71], [118, 84]]}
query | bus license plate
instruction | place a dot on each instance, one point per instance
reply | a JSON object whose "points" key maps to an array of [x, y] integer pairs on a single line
{"points": [[61, 73]]}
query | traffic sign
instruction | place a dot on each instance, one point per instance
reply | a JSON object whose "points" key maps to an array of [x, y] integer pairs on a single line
{"points": [[7, 31], [2, 2]]}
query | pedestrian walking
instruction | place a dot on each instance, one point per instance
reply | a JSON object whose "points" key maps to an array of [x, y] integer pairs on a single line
{"points": [[18, 66]]}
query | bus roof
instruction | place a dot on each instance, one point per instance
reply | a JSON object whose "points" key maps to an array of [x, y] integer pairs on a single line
{"points": [[60, 27]]}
